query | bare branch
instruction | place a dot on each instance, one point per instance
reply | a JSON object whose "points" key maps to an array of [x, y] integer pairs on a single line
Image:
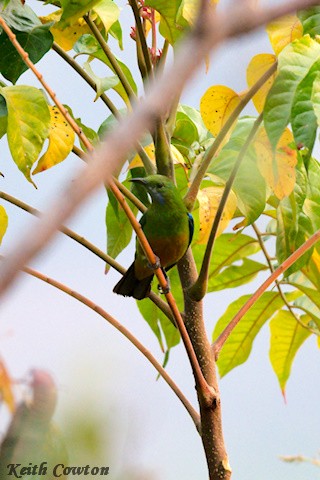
{"points": [[194, 415]]}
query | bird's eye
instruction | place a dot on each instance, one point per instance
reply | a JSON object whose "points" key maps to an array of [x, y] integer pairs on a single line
{"points": [[159, 185]]}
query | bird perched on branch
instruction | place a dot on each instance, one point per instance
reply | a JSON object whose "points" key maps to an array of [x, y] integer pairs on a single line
{"points": [[168, 227]]}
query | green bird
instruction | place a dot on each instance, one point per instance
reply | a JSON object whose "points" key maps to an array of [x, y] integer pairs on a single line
{"points": [[168, 227]]}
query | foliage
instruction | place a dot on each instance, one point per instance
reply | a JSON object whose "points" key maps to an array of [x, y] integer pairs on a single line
{"points": [[276, 184]]}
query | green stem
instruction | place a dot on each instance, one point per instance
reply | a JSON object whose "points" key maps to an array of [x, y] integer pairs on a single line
{"points": [[191, 195], [199, 288], [113, 109], [141, 36], [162, 151], [112, 59]]}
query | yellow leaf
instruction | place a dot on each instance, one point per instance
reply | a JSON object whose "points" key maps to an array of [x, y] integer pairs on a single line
{"points": [[277, 169], [61, 140], [216, 105], [209, 199], [67, 37], [177, 157], [258, 65], [6, 392], [3, 222], [148, 25], [283, 31]]}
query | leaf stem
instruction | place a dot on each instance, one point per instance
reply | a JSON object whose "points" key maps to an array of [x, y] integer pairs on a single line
{"points": [[141, 35], [218, 344], [199, 288], [191, 195], [112, 59], [124, 331]]}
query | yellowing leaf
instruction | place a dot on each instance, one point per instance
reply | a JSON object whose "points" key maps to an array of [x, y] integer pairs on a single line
{"points": [[61, 140], [258, 65], [177, 157], [3, 222], [283, 31], [287, 336], [67, 37], [108, 13], [278, 169], [28, 124], [216, 105], [6, 393], [209, 199]]}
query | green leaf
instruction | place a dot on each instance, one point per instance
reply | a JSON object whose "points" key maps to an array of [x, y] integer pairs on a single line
{"points": [[28, 124], [3, 222], [311, 205], [236, 275], [35, 38], [88, 45], [311, 293], [237, 348], [293, 225], [3, 116], [108, 13], [303, 119], [195, 117], [19, 17], [310, 20], [228, 249], [287, 336], [158, 322], [251, 201], [74, 9], [171, 27], [119, 228], [102, 84], [294, 64], [116, 32]]}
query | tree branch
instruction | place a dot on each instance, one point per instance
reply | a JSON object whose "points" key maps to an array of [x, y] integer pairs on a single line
{"points": [[199, 288], [100, 311], [141, 37], [218, 344]]}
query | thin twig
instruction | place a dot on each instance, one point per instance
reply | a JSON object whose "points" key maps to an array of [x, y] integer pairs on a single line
{"points": [[141, 35], [218, 344], [100, 311], [198, 290]]}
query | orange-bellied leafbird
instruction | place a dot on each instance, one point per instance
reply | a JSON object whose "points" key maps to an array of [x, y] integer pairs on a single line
{"points": [[168, 227]]}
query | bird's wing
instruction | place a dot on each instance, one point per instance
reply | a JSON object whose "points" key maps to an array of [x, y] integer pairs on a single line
{"points": [[191, 227]]}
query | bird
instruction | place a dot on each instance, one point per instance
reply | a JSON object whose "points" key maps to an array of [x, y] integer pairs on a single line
{"points": [[168, 227]]}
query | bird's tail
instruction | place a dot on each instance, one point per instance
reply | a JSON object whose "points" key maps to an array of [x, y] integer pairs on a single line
{"points": [[130, 286]]}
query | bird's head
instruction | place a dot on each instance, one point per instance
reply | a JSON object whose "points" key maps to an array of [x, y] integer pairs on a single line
{"points": [[159, 187]]}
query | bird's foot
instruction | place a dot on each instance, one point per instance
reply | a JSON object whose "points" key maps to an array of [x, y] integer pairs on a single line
{"points": [[156, 265]]}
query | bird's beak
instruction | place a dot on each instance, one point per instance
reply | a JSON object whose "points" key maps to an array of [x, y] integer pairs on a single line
{"points": [[140, 180]]}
